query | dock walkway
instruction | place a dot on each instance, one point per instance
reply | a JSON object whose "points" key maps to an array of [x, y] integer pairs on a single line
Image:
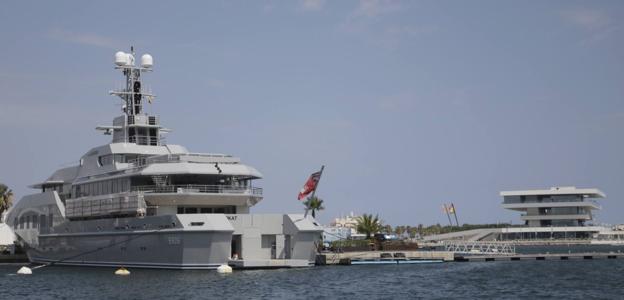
{"points": [[345, 258], [349, 258], [540, 256]]}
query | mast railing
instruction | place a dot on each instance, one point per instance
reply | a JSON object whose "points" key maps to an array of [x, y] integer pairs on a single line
{"points": [[142, 140]]}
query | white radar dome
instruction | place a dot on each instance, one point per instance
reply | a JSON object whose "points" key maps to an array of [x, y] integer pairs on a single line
{"points": [[147, 61], [121, 59]]}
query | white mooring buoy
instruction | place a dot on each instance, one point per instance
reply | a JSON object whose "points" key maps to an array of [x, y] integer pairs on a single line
{"points": [[24, 271], [122, 271], [224, 269]]}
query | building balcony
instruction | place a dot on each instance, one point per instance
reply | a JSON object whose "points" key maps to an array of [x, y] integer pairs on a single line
{"points": [[525, 206], [556, 217]]}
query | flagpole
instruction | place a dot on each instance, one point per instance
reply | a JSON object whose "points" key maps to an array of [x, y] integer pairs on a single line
{"points": [[315, 188], [455, 214], [318, 182], [447, 214]]}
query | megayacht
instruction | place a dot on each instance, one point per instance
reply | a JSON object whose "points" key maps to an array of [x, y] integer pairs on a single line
{"points": [[139, 202]]}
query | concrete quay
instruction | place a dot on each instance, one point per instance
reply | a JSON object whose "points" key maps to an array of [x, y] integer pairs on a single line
{"points": [[541, 256], [347, 258]]}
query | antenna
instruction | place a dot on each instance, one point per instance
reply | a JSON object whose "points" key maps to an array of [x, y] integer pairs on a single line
{"points": [[133, 93], [136, 125]]}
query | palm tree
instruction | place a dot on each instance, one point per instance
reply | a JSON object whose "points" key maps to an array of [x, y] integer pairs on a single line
{"points": [[399, 230], [368, 224], [6, 198], [314, 204]]}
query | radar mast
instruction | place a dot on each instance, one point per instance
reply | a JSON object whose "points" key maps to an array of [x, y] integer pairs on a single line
{"points": [[135, 126]]}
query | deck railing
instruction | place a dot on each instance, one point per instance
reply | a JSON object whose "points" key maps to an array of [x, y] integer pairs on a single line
{"points": [[187, 157], [195, 188]]}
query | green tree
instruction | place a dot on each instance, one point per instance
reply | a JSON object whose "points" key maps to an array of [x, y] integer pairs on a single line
{"points": [[314, 204], [368, 224], [6, 198]]}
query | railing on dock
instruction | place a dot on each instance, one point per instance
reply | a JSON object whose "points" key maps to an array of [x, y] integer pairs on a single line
{"points": [[479, 247]]}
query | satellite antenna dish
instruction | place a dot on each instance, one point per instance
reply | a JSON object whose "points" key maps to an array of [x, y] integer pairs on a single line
{"points": [[147, 61], [121, 58]]}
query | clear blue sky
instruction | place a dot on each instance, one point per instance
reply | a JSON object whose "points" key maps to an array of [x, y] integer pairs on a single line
{"points": [[408, 104]]}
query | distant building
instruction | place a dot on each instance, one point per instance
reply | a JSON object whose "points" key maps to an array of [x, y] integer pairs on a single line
{"points": [[556, 207], [555, 213], [343, 228], [332, 233], [349, 221]]}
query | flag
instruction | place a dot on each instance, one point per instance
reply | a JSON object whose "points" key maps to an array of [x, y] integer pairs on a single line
{"points": [[310, 185], [451, 209]]}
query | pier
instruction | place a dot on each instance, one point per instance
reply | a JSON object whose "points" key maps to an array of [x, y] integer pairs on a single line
{"points": [[374, 257], [540, 256], [347, 258]]}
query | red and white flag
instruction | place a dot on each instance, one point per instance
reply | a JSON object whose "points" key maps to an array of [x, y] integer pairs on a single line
{"points": [[310, 185]]}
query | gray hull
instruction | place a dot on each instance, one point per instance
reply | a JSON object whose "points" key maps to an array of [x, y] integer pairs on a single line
{"points": [[151, 242]]}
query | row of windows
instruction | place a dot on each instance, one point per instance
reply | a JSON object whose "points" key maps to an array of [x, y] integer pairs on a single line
{"points": [[561, 223], [108, 159], [548, 198], [104, 187], [58, 188], [34, 221], [207, 210], [562, 211]]}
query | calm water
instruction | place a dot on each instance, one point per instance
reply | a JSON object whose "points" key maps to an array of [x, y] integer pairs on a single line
{"points": [[599, 279]]}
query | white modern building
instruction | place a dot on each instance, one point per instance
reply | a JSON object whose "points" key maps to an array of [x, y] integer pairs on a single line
{"points": [[557, 206], [556, 213]]}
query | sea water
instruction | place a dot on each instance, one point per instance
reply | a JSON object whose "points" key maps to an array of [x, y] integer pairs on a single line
{"points": [[578, 279]]}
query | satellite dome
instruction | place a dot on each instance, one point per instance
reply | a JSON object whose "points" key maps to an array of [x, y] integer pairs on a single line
{"points": [[121, 58], [147, 61]]}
